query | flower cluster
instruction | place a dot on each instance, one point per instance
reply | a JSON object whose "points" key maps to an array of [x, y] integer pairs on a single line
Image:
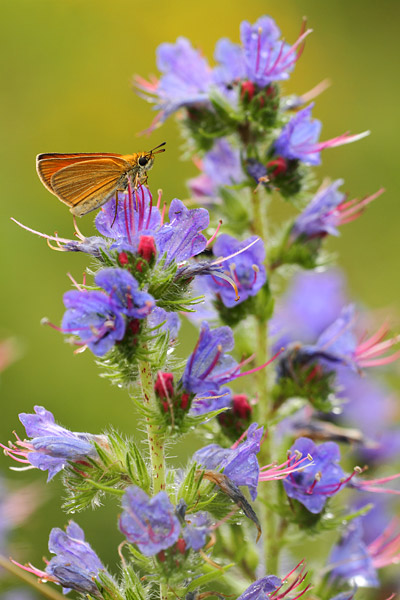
{"points": [[277, 451]]}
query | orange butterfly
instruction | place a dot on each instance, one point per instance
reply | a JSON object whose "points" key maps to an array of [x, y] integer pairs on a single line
{"points": [[87, 181]]}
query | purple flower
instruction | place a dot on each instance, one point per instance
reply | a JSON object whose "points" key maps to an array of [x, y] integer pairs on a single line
{"points": [[320, 217], [180, 239], [313, 301], [208, 367], [161, 320], [133, 216], [197, 529], [263, 58], [351, 559], [124, 292], [240, 464], [327, 211], [51, 446], [211, 401], [246, 268], [75, 566], [319, 480], [95, 318], [260, 589], [220, 167], [299, 138], [338, 344], [150, 523], [185, 81]]}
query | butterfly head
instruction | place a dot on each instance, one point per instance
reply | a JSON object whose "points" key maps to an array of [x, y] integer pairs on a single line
{"points": [[146, 159]]}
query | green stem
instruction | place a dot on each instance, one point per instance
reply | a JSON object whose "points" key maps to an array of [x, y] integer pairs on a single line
{"points": [[42, 589], [267, 490], [156, 441]]}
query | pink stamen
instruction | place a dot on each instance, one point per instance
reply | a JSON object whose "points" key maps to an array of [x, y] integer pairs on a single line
{"points": [[160, 192], [340, 140], [268, 70], [127, 228], [262, 366], [75, 283], [163, 214], [43, 235], [212, 238]]}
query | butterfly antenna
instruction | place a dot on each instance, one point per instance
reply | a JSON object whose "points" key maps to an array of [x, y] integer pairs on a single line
{"points": [[156, 148]]}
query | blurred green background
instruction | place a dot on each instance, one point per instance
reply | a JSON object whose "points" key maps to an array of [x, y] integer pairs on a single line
{"points": [[66, 70]]}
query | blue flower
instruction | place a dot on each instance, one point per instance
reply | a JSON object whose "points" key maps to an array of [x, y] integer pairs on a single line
{"points": [[180, 239], [75, 566], [161, 320], [205, 403], [240, 464], [263, 57], [51, 446], [299, 138], [124, 292], [321, 479], [95, 318], [208, 367], [130, 218], [327, 211], [320, 216], [260, 589], [197, 529], [185, 81], [150, 523], [351, 558], [220, 167], [312, 302], [338, 345], [246, 268]]}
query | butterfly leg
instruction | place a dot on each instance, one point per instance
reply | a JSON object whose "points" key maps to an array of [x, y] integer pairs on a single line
{"points": [[116, 207]]}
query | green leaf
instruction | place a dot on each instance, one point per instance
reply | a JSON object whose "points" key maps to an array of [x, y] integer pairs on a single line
{"points": [[208, 577]]}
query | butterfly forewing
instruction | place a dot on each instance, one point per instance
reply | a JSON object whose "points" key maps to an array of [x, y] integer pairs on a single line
{"points": [[86, 185], [48, 164]]}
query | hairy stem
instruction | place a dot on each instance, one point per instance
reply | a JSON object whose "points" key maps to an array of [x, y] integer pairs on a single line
{"points": [[267, 490], [156, 441]]}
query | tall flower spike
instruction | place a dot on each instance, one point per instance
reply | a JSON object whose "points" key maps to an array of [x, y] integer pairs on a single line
{"points": [[75, 566], [51, 446], [299, 138]]}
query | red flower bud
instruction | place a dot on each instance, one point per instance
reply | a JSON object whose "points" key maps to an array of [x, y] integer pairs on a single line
{"points": [[247, 90], [123, 258], [161, 556], [241, 406], [184, 401], [134, 326], [277, 166], [164, 385], [181, 545], [147, 247]]}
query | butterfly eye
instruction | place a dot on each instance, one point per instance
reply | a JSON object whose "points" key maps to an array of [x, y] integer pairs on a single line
{"points": [[143, 160]]}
